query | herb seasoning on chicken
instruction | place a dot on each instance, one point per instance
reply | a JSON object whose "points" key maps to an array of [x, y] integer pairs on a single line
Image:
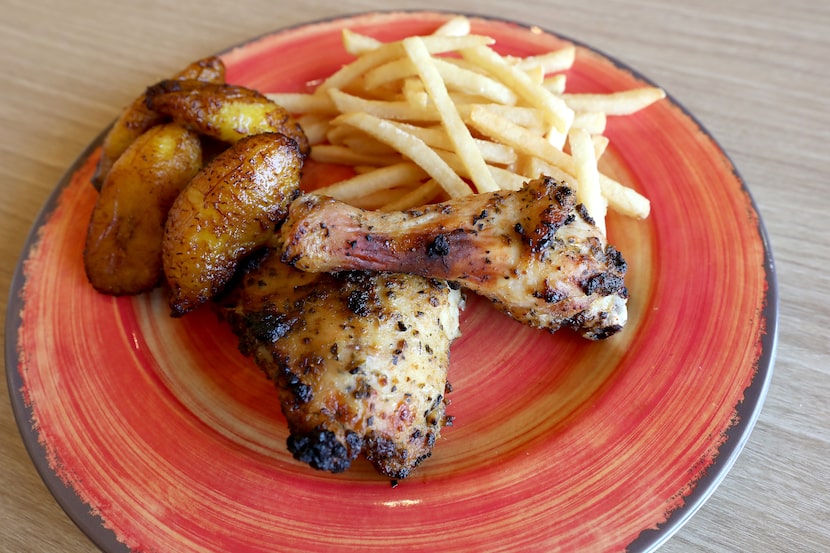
{"points": [[360, 359], [534, 253]]}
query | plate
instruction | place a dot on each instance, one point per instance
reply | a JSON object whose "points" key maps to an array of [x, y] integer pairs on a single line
{"points": [[155, 434]]}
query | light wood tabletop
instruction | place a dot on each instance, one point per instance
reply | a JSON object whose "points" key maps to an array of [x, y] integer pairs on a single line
{"points": [[754, 73]]}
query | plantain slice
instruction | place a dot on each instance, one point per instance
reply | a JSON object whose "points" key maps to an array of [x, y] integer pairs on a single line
{"points": [[223, 111], [227, 211], [137, 118], [122, 254]]}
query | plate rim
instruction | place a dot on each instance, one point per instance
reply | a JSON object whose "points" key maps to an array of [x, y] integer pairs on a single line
{"points": [[737, 435], [79, 512]]}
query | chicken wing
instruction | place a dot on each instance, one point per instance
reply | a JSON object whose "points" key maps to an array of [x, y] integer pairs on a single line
{"points": [[534, 252], [360, 360], [223, 111], [228, 210], [137, 118]]}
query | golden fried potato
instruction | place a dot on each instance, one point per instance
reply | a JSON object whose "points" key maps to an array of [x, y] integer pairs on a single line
{"points": [[137, 118], [122, 254], [223, 111], [227, 211]]}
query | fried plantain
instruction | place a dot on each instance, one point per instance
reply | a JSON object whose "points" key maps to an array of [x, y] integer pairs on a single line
{"points": [[223, 111], [227, 211], [122, 254], [137, 118]]}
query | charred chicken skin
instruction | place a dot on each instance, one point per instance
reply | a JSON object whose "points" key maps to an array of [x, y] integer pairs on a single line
{"points": [[360, 360], [534, 253]]}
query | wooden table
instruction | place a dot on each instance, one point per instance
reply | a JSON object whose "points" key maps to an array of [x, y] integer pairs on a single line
{"points": [[755, 73]]}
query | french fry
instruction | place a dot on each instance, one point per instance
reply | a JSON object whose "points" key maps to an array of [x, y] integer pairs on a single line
{"points": [[414, 93], [315, 127], [367, 145], [600, 144], [588, 191], [535, 74], [520, 139], [454, 77], [339, 134], [533, 167], [357, 141], [556, 139], [396, 110], [340, 155], [624, 200], [621, 199], [455, 26], [507, 180], [394, 70], [592, 121], [555, 83], [365, 184], [392, 50], [415, 197], [411, 147], [298, 102], [457, 131], [492, 152], [405, 113], [616, 103], [523, 116], [357, 44], [554, 110], [550, 62], [465, 64], [381, 198]]}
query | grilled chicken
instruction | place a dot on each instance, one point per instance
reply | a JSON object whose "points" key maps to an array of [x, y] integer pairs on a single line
{"points": [[360, 360], [534, 252]]}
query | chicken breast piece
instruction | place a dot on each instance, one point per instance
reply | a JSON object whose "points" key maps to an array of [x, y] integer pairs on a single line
{"points": [[360, 360], [534, 253]]}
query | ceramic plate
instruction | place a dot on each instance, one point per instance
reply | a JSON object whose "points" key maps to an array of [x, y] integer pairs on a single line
{"points": [[155, 434]]}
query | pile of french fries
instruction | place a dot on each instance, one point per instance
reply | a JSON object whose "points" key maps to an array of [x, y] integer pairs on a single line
{"points": [[445, 113]]}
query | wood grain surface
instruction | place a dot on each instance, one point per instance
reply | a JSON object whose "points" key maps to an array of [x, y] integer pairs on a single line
{"points": [[752, 72]]}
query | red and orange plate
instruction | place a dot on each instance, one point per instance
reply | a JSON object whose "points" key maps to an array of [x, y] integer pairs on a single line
{"points": [[155, 434]]}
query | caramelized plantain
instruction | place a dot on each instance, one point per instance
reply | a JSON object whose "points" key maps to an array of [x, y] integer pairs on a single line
{"points": [[227, 211], [223, 111], [137, 118], [122, 254]]}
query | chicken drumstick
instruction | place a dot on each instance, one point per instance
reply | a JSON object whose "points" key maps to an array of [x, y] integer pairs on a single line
{"points": [[534, 253]]}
